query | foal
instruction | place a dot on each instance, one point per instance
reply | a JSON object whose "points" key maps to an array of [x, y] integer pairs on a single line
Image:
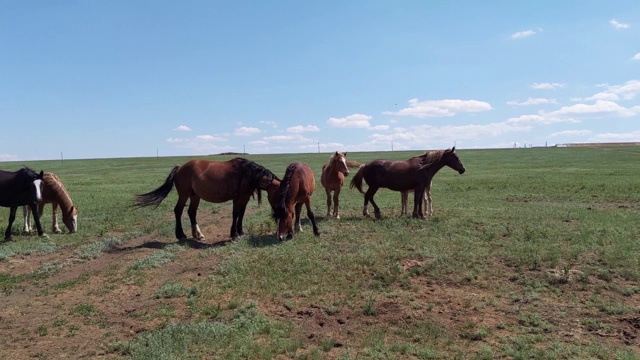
{"points": [[332, 179]]}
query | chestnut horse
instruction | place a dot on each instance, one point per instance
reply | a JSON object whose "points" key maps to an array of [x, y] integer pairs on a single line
{"points": [[332, 179], [296, 188], [214, 181], [54, 193], [19, 188], [397, 175]]}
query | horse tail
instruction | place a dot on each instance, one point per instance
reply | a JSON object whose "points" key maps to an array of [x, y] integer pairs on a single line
{"points": [[156, 196], [357, 180]]}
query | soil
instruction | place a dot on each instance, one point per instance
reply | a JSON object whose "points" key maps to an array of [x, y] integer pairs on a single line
{"points": [[80, 311]]}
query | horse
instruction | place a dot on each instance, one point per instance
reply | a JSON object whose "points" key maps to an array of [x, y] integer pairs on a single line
{"points": [[54, 193], [22, 187], [332, 179], [296, 188], [427, 157], [213, 181], [397, 175]]}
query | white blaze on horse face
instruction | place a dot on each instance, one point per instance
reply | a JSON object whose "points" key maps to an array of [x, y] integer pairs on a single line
{"points": [[38, 184], [344, 162], [74, 222]]}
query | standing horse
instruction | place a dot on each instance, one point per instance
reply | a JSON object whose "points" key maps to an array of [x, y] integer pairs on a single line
{"points": [[214, 181], [23, 187], [397, 175], [427, 157], [54, 193], [332, 179], [296, 189], [425, 175]]}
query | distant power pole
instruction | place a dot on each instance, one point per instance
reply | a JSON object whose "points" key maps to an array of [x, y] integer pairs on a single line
{"points": [[318, 147], [61, 158], [391, 145], [157, 154], [244, 150]]}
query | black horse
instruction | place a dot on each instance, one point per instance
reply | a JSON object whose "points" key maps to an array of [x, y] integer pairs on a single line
{"points": [[19, 188]]}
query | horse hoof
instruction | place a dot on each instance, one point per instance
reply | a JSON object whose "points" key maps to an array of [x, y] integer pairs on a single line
{"points": [[44, 236], [378, 216]]}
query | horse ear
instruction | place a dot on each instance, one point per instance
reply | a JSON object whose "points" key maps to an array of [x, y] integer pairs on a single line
{"points": [[453, 149], [41, 174], [345, 154]]}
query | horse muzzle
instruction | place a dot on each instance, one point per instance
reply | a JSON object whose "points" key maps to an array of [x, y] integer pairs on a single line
{"points": [[345, 173], [461, 171]]}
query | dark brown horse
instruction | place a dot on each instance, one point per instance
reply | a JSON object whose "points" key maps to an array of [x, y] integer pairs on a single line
{"points": [[332, 179], [19, 188], [397, 175], [296, 188], [427, 157], [213, 181]]}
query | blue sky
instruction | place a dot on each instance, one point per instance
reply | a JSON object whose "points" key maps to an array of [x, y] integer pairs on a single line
{"points": [[102, 79]]}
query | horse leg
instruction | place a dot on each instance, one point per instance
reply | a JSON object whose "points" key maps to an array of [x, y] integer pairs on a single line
{"points": [[297, 226], [12, 217], [36, 217], [418, 198], [328, 202], [368, 196], [26, 214], [428, 203], [177, 210], [193, 211], [336, 202], [313, 218], [404, 196], [54, 226], [241, 212]]}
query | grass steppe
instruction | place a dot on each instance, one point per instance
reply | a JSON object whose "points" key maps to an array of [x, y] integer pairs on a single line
{"points": [[531, 254]]}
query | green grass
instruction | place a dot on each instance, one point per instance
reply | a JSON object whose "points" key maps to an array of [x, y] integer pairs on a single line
{"points": [[524, 227]]}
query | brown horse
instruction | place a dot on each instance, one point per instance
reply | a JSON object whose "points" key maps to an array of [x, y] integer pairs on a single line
{"points": [[332, 179], [56, 194], [296, 188], [213, 181], [427, 157], [397, 175]]}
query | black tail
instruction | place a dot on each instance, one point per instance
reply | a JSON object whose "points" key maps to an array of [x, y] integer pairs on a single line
{"points": [[357, 180], [156, 196]]}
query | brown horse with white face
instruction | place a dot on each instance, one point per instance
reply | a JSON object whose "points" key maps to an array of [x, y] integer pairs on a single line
{"points": [[213, 181], [332, 179], [397, 175], [296, 188]]}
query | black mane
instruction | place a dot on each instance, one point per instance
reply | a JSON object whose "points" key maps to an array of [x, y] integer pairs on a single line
{"points": [[281, 210], [254, 172]]}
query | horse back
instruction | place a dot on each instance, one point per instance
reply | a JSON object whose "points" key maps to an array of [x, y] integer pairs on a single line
{"points": [[397, 175]]}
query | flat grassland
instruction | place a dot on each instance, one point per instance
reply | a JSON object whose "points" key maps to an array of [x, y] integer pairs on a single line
{"points": [[531, 254]]}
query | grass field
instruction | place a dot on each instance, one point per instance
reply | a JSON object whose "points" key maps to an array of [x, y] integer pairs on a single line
{"points": [[531, 254]]}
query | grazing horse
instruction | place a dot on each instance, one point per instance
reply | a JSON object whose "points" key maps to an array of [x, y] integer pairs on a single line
{"points": [[332, 179], [296, 189], [54, 193], [214, 181], [22, 187], [397, 175]]}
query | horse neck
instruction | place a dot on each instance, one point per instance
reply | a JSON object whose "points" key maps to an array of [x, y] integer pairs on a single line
{"points": [[56, 192]]}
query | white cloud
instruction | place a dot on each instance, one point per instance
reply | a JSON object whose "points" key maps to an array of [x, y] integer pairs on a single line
{"points": [[607, 137], [618, 25], [627, 91], [246, 131], [441, 108], [8, 157], [547, 86], [259, 143], [270, 123], [300, 129], [182, 128], [603, 96], [351, 121], [600, 109], [524, 34], [379, 127], [571, 133], [532, 101], [636, 57], [293, 138], [210, 138]]}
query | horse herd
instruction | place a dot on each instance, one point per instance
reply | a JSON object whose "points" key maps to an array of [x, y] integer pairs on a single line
{"points": [[238, 180]]}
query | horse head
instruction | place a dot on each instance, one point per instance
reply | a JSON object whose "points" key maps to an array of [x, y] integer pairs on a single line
{"points": [[70, 219], [340, 162], [284, 222], [452, 160]]}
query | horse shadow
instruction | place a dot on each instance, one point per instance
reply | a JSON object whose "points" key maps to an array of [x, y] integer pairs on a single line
{"points": [[262, 240], [191, 243]]}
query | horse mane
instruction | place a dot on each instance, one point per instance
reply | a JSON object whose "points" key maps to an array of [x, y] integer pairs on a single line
{"points": [[281, 210], [28, 172], [431, 157], [61, 195], [254, 172]]}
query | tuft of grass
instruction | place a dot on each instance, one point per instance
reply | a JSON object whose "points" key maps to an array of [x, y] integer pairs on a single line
{"points": [[158, 258]]}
